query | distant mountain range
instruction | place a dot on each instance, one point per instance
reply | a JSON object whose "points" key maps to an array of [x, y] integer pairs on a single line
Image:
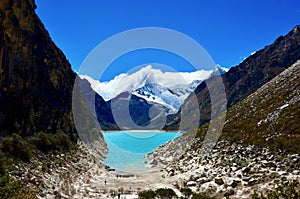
{"points": [[154, 86]]}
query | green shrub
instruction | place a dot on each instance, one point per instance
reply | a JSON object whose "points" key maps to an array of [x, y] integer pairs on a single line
{"points": [[187, 192], [62, 141], [14, 190], [17, 147], [2, 163], [288, 192], [200, 196], [149, 194], [165, 193], [51, 142]]}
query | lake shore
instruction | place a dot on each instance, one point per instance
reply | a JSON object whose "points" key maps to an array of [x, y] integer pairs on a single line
{"points": [[227, 170]]}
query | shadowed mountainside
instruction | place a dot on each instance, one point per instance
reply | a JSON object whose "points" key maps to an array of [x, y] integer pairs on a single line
{"points": [[35, 77]]}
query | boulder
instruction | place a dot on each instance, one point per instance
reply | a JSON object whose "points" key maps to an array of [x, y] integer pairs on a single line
{"points": [[232, 183], [229, 191], [296, 172], [252, 181], [191, 183], [219, 181], [246, 169], [268, 164], [153, 162], [209, 188]]}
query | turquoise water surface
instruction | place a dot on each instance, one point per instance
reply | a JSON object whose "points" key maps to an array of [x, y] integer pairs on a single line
{"points": [[127, 150]]}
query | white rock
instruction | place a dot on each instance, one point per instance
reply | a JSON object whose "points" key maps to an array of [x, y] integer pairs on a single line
{"points": [[191, 183], [296, 172]]}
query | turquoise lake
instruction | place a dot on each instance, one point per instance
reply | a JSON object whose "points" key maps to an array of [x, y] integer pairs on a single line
{"points": [[127, 150]]}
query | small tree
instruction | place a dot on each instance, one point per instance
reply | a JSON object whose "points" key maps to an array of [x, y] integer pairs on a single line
{"points": [[2, 163], [165, 193], [149, 194], [200, 196], [17, 147], [187, 192]]}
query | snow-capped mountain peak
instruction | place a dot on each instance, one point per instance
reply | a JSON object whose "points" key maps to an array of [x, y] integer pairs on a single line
{"points": [[167, 88]]}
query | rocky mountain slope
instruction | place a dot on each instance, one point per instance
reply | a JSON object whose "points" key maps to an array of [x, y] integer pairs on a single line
{"points": [[36, 79], [269, 116], [133, 112], [258, 148], [251, 74]]}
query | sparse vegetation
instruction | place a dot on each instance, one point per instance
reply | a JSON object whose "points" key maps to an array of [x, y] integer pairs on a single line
{"points": [[165, 193], [187, 192], [19, 148], [268, 117], [51, 142], [15, 149], [148, 194], [10, 189], [200, 196], [288, 192]]}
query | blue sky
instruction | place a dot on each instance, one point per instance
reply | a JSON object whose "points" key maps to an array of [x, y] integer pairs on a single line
{"points": [[229, 30]]}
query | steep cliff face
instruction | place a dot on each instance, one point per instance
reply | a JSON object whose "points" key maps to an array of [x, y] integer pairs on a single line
{"points": [[36, 79], [251, 74]]}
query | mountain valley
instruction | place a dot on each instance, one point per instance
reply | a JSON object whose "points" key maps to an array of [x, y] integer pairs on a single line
{"points": [[45, 108]]}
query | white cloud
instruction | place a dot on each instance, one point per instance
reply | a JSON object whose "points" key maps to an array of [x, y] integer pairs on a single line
{"points": [[131, 82]]}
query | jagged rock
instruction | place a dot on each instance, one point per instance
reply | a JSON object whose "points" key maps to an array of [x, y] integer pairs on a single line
{"points": [[246, 78], [246, 169], [194, 177], [35, 76], [219, 181], [234, 168], [153, 162], [252, 181], [268, 164], [246, 179], [229, 191], [232, 183]]}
